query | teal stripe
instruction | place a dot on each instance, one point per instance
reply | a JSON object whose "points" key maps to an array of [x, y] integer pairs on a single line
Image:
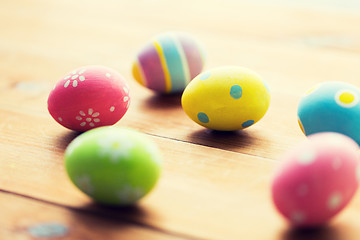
{"points": [[174, 64]]}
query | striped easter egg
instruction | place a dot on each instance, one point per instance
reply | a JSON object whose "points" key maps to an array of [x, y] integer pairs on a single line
{"points": [[168, 62]]}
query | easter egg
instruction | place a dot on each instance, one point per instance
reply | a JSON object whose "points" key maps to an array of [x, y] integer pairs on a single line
{"points": [[331, 107], [89, 97], [226, 98], [114, 166], [168, 62], [316, 179]]}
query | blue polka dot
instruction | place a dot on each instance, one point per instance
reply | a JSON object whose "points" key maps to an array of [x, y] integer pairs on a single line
{"points": [[236, 92], [204, 76], [247, 123], [203, 117]]}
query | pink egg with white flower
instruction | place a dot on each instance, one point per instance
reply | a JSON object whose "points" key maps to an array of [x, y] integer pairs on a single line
{"points": [[89, 97], [316, 179]]}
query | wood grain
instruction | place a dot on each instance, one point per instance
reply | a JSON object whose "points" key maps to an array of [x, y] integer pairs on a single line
{"points": [[290, 62], [201, 187], [30, 219], [214, 185]]}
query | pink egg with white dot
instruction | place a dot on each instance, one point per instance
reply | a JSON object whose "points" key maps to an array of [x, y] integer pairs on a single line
{"points": [[316, 179], [89, 97]]}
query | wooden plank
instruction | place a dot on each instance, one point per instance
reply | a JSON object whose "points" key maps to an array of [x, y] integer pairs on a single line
{"points": [[207, 192], [158, 115], [163, 116], [24, 218], [298, 65], [204, 192]]}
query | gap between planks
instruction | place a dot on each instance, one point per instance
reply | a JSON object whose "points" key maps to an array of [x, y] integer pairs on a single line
{"points": [[104, 215], [47, 116]]}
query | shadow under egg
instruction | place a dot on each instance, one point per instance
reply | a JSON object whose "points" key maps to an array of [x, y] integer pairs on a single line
{"points": [[109, 219], [163, 101], [65, 139], [227, 140], [129, 212], [324, 232]]}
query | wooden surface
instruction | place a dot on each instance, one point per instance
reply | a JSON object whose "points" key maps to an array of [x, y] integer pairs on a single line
{"points": [[214, 185]]}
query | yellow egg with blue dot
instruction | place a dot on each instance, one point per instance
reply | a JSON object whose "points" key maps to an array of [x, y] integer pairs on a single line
{"points": [[226, 98]]}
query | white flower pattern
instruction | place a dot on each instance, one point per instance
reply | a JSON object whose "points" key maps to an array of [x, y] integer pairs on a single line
{"points": [[74, 78], [90, 117], [117, 147], [128, 194], [127, 97], [84, 183]]}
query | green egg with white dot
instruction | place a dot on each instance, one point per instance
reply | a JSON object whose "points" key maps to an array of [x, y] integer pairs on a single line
{"points": [[113, 166], [226, 98]]}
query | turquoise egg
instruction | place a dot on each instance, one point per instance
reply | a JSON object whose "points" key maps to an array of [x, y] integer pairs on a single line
{"points": [[331, 107]]}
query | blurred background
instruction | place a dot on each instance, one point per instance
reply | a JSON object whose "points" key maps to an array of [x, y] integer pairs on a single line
{"points": [[250, 33], [292, 44]]}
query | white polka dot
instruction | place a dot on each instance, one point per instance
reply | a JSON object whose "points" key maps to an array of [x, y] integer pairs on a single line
{"points": [[126, 90], [126, 98], [75, 83], [82, 78], [82, 71], [306, 158], [74, 77], [90, 111], [82, 113], [334, 201], [335, 140], [336, 163], [73, 72], [83, 124], [96, 120], [96, 114], [346, 105], [108, 75], [67, 83], [78, 118], [112, 109], [67, 77], [60, 119], [88, 119], [92, 124], [297, 217], [128, 104], [302, 190]]}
